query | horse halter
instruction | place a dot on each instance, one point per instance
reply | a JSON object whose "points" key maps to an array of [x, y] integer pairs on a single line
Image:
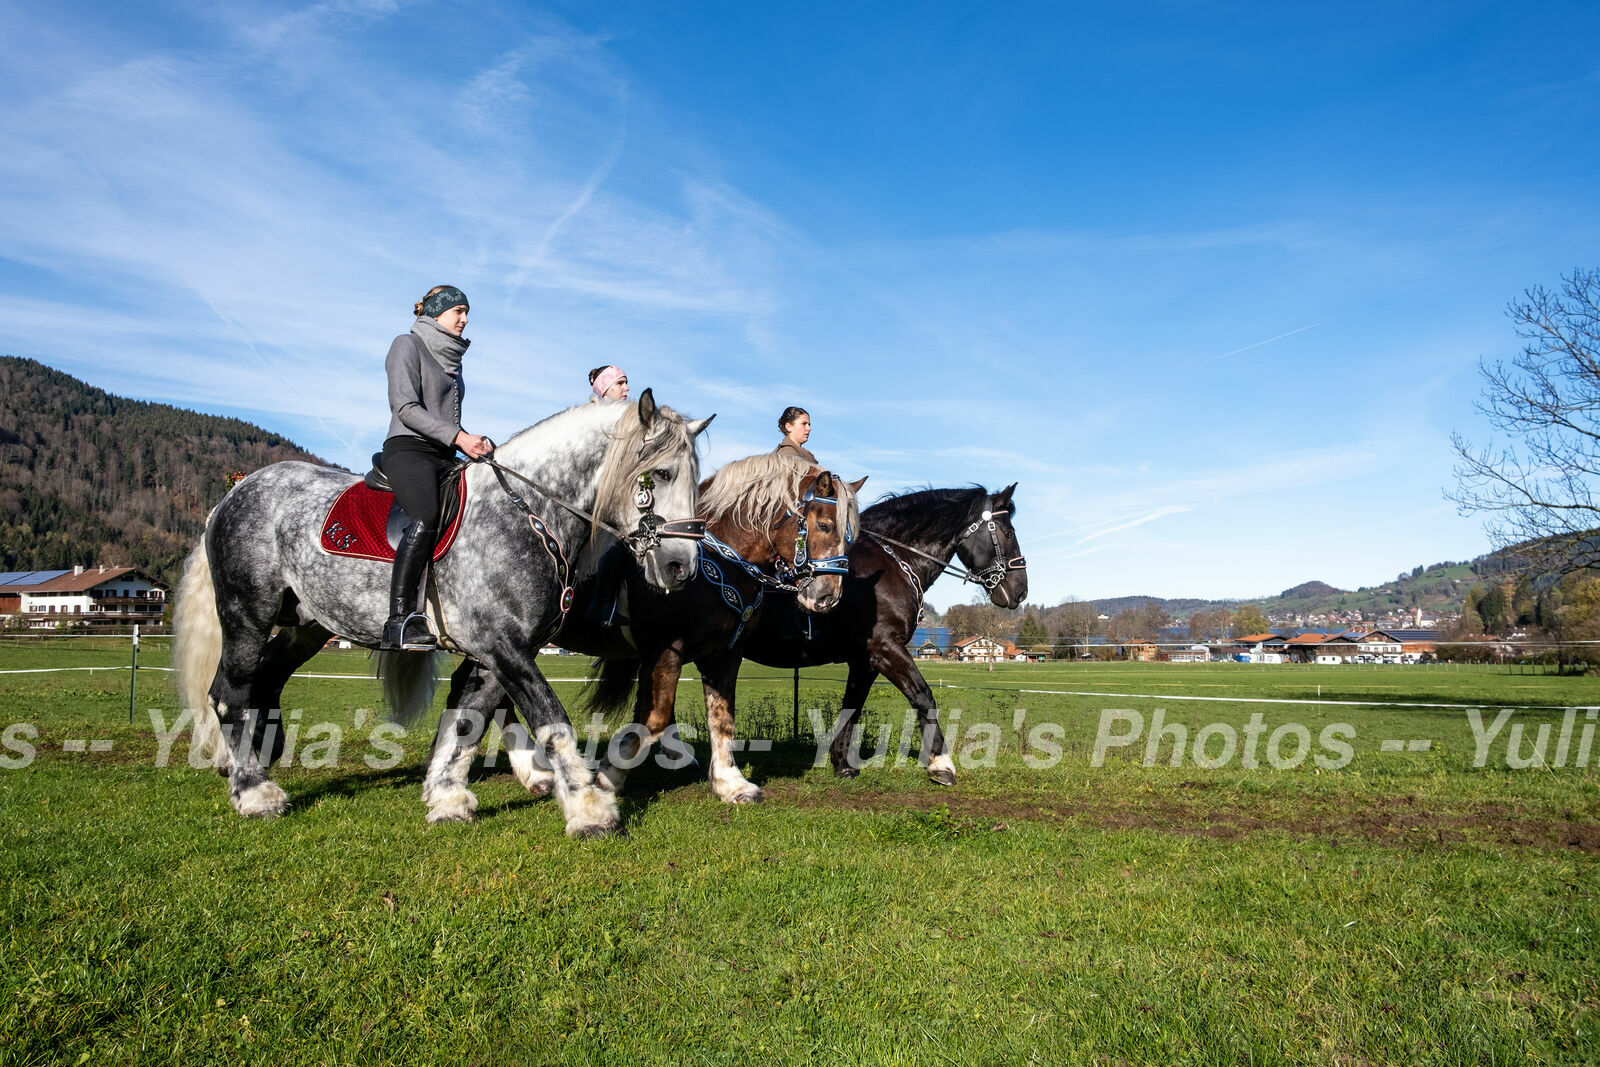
{"points": [[1000, 565], [804, 568]]}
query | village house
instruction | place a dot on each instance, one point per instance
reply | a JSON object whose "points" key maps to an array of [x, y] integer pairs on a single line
{"points": [[985, 650], [95, 597]]}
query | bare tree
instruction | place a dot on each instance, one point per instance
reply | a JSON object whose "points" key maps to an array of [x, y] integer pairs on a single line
{"points": [[1542, 485], [1075, 622]]}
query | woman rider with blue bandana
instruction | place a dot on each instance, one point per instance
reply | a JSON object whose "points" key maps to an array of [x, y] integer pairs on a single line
{"points": [[425, 387]]}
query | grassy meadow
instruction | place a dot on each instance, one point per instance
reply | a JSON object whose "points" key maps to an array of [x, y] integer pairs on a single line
{"points": [[1361, 903]]}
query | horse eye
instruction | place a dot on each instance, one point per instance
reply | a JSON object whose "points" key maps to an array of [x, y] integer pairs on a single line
{"points": [[825, 527], [662, 475]]}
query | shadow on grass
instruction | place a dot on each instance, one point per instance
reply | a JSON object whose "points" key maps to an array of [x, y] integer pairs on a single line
{"points": [[309, 792]]}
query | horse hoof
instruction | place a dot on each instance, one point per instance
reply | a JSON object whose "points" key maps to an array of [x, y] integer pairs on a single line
{"points": [[941, 776], [457, 806], [753, 795], [844, 770], [592, 832], [264, 800], [540, 790]]}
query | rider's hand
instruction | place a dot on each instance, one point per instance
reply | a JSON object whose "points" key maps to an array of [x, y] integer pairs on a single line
{"points": [[474, 446]]}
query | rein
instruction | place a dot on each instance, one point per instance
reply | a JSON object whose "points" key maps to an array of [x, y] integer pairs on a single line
{"points": [[989, 577], [648, 534]]}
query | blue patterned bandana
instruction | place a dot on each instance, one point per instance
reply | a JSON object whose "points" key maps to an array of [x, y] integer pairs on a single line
{"points": [[443, 301]]}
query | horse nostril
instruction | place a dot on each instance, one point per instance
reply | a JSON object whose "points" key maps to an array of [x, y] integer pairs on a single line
{"points": [[679, 570]]}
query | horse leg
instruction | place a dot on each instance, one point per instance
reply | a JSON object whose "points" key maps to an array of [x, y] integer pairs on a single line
{"points": [[654, 706], [842, 752], [444, 786], [590, 811], [252, 733], [896, 663], [288, 650], [720, 675]]}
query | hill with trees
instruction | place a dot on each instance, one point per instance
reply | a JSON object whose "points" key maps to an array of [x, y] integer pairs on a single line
{"points": [[90, 478]]}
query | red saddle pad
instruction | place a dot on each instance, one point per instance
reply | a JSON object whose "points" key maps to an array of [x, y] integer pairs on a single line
{"points": [[357, 524]]}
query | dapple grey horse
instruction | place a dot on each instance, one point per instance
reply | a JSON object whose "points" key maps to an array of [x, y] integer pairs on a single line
{"points": [[496, 596]]}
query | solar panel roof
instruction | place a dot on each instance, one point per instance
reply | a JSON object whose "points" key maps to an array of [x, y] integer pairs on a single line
{"points": [[30, 577]]}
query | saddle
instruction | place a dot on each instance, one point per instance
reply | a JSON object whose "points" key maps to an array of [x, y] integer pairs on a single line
{"points": [[366, 521]]}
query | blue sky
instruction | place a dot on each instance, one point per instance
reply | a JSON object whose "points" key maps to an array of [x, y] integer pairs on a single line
{"points": [[1209, 281]]}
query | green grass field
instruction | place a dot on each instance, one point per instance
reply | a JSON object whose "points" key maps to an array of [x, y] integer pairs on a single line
{"points": [[1404, 907]]}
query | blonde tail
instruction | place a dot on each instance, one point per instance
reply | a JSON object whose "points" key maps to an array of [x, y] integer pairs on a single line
{"points": [[197, 650]]}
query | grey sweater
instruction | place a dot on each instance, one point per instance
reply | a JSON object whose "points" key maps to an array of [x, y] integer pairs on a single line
{"points": [[424, 398]]}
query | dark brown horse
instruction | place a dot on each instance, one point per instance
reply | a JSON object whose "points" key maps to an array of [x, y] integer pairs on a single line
{"points": [[772, 522], [909, 541]]}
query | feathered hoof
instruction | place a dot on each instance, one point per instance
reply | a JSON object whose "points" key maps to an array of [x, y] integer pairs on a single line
{"points": [[264, 800], [744, 794], [844, 770], [941, 776], [540, 790], [457, 806], [593, 831]]}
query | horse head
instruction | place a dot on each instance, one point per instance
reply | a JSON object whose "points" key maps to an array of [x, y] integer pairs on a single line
{"points": [[648, 486], [990, 551], [816, 532]]}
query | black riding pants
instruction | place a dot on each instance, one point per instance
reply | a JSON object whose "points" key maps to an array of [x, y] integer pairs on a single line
{"points": [[414, 468]]}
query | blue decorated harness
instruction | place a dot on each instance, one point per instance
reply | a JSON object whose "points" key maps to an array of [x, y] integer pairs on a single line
{"points": [[792, 576]]}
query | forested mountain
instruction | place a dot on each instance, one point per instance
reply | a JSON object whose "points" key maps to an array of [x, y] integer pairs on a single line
{"points": [[89, 478]]}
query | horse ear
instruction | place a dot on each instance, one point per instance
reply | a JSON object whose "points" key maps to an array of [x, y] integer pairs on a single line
{"points": [[1003, 497], [697, 426], [647, 409], [823, 486], [855, 486]]}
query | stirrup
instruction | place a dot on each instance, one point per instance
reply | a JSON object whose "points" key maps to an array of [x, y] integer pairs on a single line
{"points": [[400, 635]]}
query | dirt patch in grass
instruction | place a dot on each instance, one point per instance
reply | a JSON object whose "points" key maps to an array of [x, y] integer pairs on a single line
{"points": [[1391, 820]]}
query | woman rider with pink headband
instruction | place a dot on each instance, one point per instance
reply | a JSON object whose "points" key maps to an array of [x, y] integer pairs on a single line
{"points": [[608, 383]]}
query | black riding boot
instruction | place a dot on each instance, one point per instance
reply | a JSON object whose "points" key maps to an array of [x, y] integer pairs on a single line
{"points": [[406, 629]]}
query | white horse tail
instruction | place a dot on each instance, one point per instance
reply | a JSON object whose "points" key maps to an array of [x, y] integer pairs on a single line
{"points": [[197, 650], [409, 681]]}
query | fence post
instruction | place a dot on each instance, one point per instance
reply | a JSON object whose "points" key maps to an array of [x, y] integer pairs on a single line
{"points": [[133, 674]]}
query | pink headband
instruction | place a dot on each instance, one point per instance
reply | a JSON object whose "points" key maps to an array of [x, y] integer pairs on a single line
{"points": [[606, 379]]}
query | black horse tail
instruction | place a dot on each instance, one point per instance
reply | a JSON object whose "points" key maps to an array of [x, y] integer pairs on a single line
{"points": [[611, 685], [410, 680]]}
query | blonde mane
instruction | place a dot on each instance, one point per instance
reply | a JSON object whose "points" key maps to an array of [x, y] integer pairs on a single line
{"points": [[630, 454], [754, 493]]}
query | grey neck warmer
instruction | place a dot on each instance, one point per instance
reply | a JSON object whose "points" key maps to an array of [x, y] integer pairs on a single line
{"points": [[445, 347]]}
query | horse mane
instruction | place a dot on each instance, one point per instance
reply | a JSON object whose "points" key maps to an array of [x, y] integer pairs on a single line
{"points": [[925, 515], [755, 492], [631, 453]]}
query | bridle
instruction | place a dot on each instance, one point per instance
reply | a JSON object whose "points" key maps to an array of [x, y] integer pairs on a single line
{"points": [[649, 533], [804, 568], [990, 576]]}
